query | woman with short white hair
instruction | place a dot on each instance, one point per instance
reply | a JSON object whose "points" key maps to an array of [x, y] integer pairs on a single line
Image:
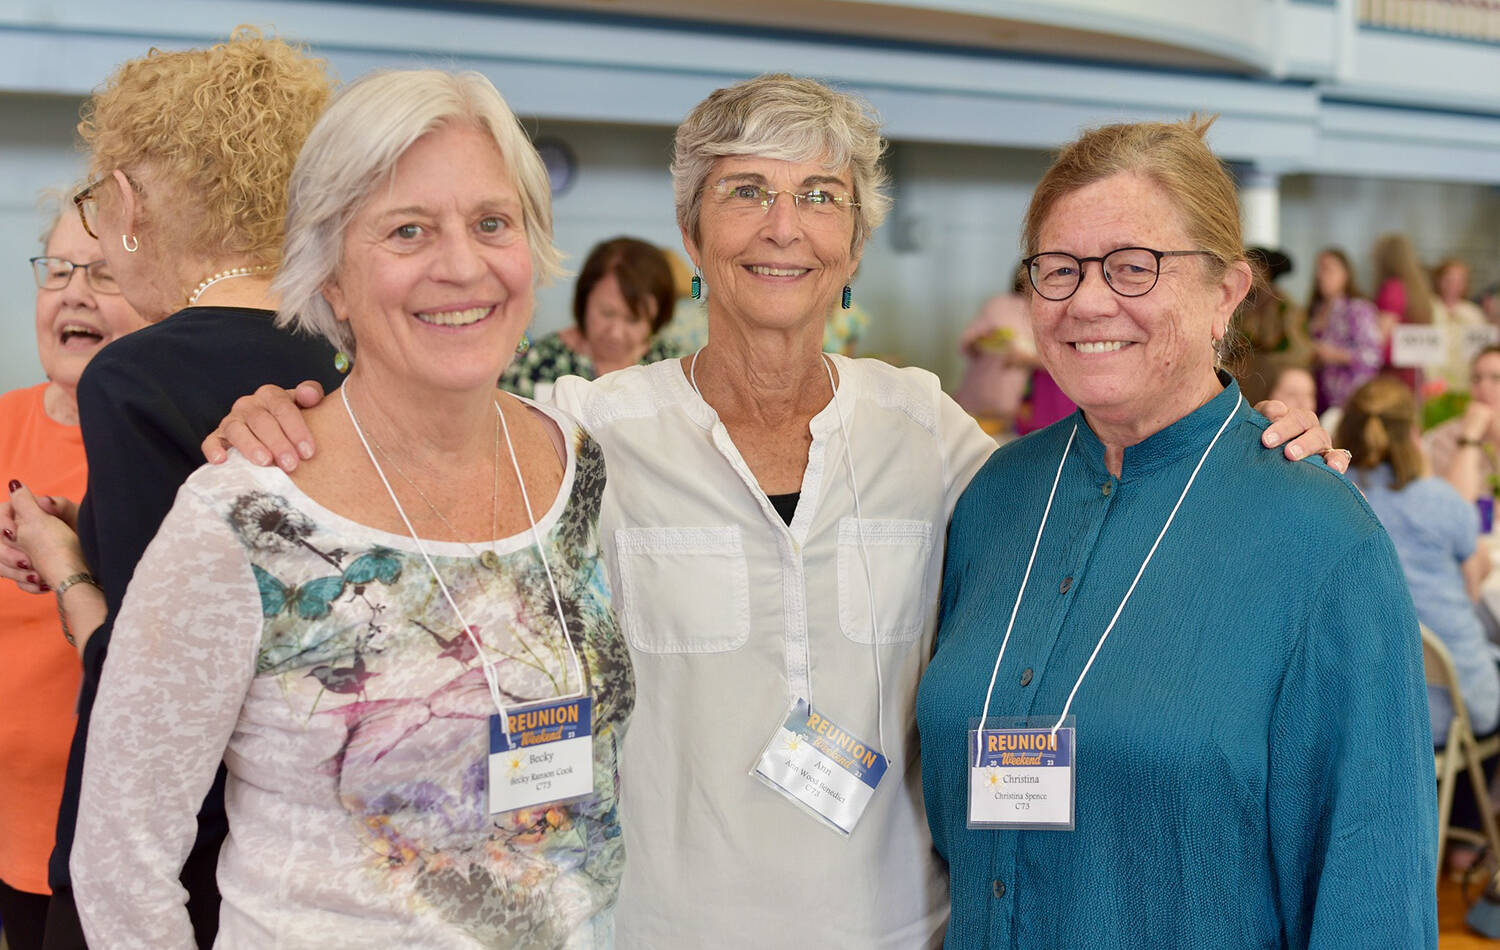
{"points": [[404, 653]]}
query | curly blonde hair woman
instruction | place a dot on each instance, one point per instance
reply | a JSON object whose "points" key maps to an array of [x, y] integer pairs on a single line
{"points": [[191, 152]]}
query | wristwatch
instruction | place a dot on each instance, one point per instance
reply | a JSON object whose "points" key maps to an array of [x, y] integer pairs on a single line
{"points": [[82, 577]]}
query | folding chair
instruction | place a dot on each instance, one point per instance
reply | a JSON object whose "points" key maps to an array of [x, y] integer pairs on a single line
{"points": [[1461, 752]]}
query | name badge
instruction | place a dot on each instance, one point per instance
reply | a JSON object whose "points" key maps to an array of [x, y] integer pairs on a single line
{"points": [[821, 767], [1022, 776], [548, 758]]}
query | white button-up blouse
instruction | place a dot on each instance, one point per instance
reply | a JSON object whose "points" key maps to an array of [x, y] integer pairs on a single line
{"points": [[731, 615]]}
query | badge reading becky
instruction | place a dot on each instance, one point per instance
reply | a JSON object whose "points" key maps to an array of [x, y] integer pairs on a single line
{"points": [[821, 767], [1021, 778], [548, 758]]}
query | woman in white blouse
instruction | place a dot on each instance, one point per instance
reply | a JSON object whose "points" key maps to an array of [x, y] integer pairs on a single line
{"points": [[774, 522]]}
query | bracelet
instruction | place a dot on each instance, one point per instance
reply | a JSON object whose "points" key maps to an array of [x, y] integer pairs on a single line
{"points": [[1465, 441], [82, 577]]}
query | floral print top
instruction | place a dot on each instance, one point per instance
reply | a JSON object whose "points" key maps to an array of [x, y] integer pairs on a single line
{"points": [[550, 359], [1353, 325], [319, 659]]}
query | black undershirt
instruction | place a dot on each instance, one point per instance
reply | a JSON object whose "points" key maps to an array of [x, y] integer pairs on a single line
{"points": [[785, 505]]}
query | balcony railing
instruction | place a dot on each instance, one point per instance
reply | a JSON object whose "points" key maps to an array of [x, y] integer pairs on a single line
{"points": [[1463, 19]]}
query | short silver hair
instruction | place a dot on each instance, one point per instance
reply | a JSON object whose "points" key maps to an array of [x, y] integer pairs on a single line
{"points": [[355, 146], [785, 117]]}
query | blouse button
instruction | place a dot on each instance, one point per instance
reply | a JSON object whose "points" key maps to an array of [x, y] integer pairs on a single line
{"points": [[1026, 676], [1106, 488], [1067, 582], [999, 888]]}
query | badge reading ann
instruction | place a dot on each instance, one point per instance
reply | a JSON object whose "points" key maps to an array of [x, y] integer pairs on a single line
{"points": [[1021, 778], [818, 765], [549, 757]]}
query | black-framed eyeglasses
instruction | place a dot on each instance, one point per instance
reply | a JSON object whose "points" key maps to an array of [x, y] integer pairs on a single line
{"points": [[1129, 271], [53, 273]]}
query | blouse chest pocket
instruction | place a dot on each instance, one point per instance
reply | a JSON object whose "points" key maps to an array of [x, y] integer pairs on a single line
{"points": [[899, 552], [683, 590]]}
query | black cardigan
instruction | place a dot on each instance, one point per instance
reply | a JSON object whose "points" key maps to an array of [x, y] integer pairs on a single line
{"points": [[145, 404]]}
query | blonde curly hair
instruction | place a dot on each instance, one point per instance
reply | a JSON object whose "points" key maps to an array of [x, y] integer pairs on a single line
{"points": [[214, 134]]}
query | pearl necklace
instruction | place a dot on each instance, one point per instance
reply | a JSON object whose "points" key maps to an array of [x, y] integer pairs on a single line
{"points": [[226, 275]]}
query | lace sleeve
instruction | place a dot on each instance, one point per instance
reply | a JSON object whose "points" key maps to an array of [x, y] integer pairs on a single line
{"points": [[181, 662]]}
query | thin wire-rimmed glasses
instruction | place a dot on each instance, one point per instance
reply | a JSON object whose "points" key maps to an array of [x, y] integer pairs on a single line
{"points": [[53, 273], [1129, 271], [740, 195], [88, 206]]}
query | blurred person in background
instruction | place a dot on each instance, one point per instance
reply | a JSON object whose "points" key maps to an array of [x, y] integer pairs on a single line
{"points": [[999, 358], [1348, 348], [190, 154], [1465, 450], [79, 309], [1403, 295], [1296, 387], [1436, 534], [1456, 314], [1273, 328], [623, 299]]}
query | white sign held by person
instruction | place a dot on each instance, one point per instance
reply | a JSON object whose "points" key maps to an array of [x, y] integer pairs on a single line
{"points": [[1418, 345]]}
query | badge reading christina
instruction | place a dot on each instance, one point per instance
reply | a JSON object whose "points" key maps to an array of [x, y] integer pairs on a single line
{"points": [[820, 766], [1021, 778], [548, 758]]}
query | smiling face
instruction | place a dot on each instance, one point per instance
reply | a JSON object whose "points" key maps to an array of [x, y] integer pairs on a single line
{"points": [[1297, 389], [781, 268], [616, 333], [74, 323], [435, 278], [1134, 364]]}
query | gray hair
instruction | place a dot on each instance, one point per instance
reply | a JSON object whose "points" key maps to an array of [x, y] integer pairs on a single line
{"points": [[356, 145], [783, 117], [51, 204]]}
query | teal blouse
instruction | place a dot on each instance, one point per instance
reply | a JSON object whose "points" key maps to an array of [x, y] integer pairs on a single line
{"points": [[1253, 751]]}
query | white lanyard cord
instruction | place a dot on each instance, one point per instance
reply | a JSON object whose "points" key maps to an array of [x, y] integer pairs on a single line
{"points": [[487, 665], [1126, 599], [864, 557], [860, 535], [1026, 577]]}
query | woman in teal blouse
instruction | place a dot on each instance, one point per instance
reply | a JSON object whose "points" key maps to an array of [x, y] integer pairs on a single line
{"points": [[1230, 637]]}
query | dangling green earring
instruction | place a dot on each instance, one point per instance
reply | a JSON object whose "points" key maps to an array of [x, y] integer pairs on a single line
{"points": [[697, 287], [524, 347], [848, 296], [341, 361]]}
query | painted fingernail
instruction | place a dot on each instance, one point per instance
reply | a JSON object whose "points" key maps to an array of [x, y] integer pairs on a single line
{"points": [[14, 484], [45, 588], [23, 565], [9, 534], [33, 579], [288, 461]]}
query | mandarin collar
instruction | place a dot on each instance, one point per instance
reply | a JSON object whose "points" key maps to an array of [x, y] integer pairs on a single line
{"points": [[1185, 438]]}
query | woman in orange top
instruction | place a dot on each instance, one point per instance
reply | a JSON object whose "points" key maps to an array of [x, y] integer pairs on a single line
{"points": [[78, 310]]}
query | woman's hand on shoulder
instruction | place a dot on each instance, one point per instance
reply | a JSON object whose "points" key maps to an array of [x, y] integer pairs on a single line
{"points": [[40, 540], [1301, 434], [267, 425]]}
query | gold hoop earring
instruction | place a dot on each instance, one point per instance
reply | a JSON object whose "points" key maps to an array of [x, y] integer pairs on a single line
{"points": [[130, 242]]}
